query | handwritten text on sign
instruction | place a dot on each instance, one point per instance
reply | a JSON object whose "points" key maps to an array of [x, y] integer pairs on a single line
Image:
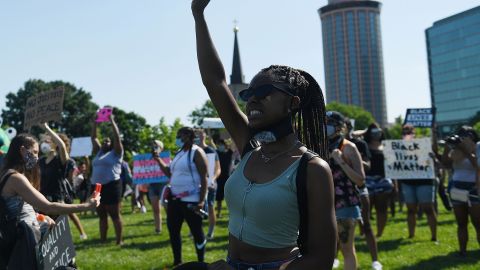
{"points": [[56, 248], [44, 107], [408, 159], [146, 170]]}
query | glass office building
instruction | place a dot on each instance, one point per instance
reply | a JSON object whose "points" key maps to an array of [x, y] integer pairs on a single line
{"points": [[353, 60], [453, 47]]}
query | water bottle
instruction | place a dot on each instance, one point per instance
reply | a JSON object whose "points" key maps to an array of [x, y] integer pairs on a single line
{"points": [[200, 212]]}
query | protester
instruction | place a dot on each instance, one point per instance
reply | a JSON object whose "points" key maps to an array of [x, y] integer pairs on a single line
{"points": [[379, 187], [225, 156], [56, 171], [81, 180], [212, 180], [155, 192], [365, 226], [106, 170], [188, 184], [460, 155], [261, 193], [418, 193], [347, 171], [20, 181]]}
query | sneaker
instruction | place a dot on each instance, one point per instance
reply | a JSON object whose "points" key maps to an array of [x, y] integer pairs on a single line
{"points": [[210, 236], [376, 265], [83, 237], [143, 209], [158, 231], [336, 264]]}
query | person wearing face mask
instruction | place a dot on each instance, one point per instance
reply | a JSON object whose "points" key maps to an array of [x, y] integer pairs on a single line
{"points": [[19, 184], [225, 155], [347, 170], [200, 140], [284, 117], [460, 156], [56, 170], [106, 170], [188, 184], [155, 190], [379, 187]]}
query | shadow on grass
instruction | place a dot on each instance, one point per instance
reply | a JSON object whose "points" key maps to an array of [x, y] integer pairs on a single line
{"points": [[383, 245], [446, 261], [147, 246]]}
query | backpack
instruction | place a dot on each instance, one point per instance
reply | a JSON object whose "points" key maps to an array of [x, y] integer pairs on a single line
{"points": [[8, 226], [302, 200]]}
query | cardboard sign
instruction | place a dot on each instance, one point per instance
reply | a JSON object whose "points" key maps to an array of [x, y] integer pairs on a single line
{"points": [[44, 107], [408, 159], [146, 170], [211, 168], [81, 147], [103, 114], [420, 117], [56, 247]]}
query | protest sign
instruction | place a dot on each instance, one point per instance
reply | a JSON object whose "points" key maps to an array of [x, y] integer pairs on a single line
{"points": [[420, 117], [56, 247], [81, 147], [408, 159], [146, 170], [215, 123], [44, 107], [211, 167], [103, 114]]}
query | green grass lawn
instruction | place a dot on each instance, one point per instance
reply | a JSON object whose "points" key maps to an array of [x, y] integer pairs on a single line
{"points": [[143, 249]]}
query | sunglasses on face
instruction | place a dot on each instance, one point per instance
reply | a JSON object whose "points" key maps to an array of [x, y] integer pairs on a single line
{"points": [[264, 90]]}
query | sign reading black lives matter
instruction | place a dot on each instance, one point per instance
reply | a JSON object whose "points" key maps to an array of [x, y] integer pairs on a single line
{"points": [[408, 159], [420, 117], [44, 107], [56, 247]]}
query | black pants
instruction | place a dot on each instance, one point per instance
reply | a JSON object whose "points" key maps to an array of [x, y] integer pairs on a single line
{"points": [[177, 212]]}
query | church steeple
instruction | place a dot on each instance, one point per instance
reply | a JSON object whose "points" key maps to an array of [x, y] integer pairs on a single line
{"points": [[237, 76]]}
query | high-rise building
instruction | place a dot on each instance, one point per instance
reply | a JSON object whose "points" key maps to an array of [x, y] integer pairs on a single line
{"points": [[353, 59], [453, 47], [237, 79]]}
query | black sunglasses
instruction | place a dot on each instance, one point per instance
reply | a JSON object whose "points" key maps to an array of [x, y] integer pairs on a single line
{"points": [[264, 91]]}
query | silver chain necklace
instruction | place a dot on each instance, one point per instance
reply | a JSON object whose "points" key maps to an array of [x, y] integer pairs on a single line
{"points": [[267, 159]]}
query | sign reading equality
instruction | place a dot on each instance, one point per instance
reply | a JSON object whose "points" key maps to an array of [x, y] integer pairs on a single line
{"points": [[408, 159], [44, 107], [56, 247], [420, 117]]}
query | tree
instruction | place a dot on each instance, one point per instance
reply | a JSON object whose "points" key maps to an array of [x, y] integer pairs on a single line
{"points": [[207, 110], [362, 117], [163, 132], [78, 107]]}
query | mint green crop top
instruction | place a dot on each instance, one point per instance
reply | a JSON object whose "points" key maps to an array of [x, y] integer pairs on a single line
{"points": [[263, 215]]}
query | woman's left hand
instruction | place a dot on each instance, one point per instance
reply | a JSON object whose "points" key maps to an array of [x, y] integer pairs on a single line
{"points": [[51, 223], [220, 265], [337, 156]]}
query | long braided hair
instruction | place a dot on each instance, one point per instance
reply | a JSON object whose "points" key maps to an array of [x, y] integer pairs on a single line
{"points": [[310, 119]]}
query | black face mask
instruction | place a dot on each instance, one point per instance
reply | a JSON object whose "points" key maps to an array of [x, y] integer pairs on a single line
{"points": [[275, 131], [334, 143]]}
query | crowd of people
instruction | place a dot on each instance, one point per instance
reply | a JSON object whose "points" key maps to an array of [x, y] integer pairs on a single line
{"points": [[297, 179]]}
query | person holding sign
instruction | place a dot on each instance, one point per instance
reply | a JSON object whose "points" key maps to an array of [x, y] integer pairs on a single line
{"points": [[19, 184], [347, 170], [418, 193], [106, 170], [155, 191], [379, 187], [460, 155], [264, 217], [188, 175], [56, 170]]}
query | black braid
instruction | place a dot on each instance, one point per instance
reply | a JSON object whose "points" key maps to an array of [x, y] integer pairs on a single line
{"points": [[310, 120]]}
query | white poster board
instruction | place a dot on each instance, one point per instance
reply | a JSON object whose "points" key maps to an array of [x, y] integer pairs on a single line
{"points": [[81, 147], [408, 159], [214, 123], [211, 168]]}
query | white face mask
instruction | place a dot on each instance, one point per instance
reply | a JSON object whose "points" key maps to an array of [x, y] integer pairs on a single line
{"points": [[45, 148], [331, 130]]}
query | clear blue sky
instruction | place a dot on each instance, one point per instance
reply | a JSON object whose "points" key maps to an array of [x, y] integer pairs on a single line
{"points": [[140, 55]]}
